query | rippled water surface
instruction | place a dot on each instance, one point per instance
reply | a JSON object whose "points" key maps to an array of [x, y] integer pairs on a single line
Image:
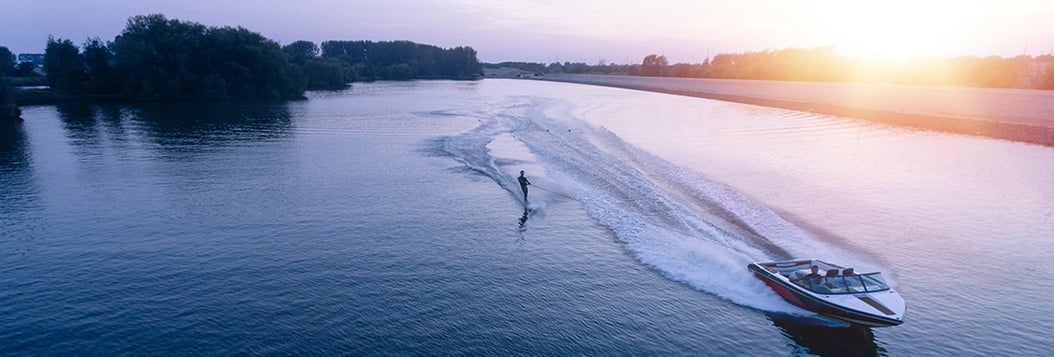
{"points": [[385, 219]]}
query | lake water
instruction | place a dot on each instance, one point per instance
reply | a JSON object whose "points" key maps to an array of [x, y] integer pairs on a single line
{"points": [[386, 219]]}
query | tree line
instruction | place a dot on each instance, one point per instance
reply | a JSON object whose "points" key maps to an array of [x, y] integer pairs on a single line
{"points": [[823, 64], [159, 59], [404, 60], [8, 107]]}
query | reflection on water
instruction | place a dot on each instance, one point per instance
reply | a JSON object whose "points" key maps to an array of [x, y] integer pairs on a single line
{"points": [[18, 192], [523, 220], [13, 155], [816, 338], [90, 127], [212, 123], [181, 127], [78, 119]]}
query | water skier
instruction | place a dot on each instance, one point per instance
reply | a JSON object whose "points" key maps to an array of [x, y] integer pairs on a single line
{"points": [[523, 185]]}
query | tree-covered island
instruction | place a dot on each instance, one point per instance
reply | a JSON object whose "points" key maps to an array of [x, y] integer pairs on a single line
{"points": [[159, 59]]}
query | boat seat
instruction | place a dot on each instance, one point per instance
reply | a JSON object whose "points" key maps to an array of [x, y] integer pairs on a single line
{"points": [[832, 273]]}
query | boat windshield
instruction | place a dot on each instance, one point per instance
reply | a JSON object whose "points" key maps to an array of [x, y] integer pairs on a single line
{"points": [[844, 284]]}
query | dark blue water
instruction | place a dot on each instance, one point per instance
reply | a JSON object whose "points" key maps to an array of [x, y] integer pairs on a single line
{"points": [[385, 220]]}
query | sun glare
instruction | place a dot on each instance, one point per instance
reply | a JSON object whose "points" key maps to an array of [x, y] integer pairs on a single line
{"points": [[896, 29]]}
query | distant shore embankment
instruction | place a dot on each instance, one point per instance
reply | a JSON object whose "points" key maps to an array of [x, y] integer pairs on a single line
{"points": [[1011, 114]]}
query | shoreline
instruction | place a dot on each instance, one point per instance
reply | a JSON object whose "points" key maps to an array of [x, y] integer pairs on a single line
{"points": [[1018, 115]]}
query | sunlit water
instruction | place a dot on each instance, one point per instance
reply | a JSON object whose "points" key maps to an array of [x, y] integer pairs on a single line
{"points": [[386, 219]]}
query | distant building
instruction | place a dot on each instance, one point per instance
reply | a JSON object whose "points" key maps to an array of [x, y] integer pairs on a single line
{"points": [[36, 58]]}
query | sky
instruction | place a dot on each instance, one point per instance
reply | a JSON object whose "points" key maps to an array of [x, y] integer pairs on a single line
{"points": [[587, 31]]}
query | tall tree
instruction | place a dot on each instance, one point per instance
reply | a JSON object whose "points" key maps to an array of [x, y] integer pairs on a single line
{"points": [[64, 66], [8, 109], [251, 65], [653, 65], [328, 73], [98, 62], [300, 52], [154, 56], [465, 65], [162, 59], [7, 61]]}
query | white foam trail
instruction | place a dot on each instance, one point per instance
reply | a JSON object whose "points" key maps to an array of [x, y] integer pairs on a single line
{"points": [[691, 229]]}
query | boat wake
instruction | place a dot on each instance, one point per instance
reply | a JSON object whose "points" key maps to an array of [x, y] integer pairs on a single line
{"points": [[689, 228]]}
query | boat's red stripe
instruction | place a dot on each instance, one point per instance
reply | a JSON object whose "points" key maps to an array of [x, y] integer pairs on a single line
{"points": [[782, 291]]}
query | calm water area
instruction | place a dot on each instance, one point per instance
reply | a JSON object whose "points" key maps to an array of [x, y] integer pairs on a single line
{"points": [[386, 220]]}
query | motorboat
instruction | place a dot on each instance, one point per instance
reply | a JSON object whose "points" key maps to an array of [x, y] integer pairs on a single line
{"points": [[833, 290]]}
